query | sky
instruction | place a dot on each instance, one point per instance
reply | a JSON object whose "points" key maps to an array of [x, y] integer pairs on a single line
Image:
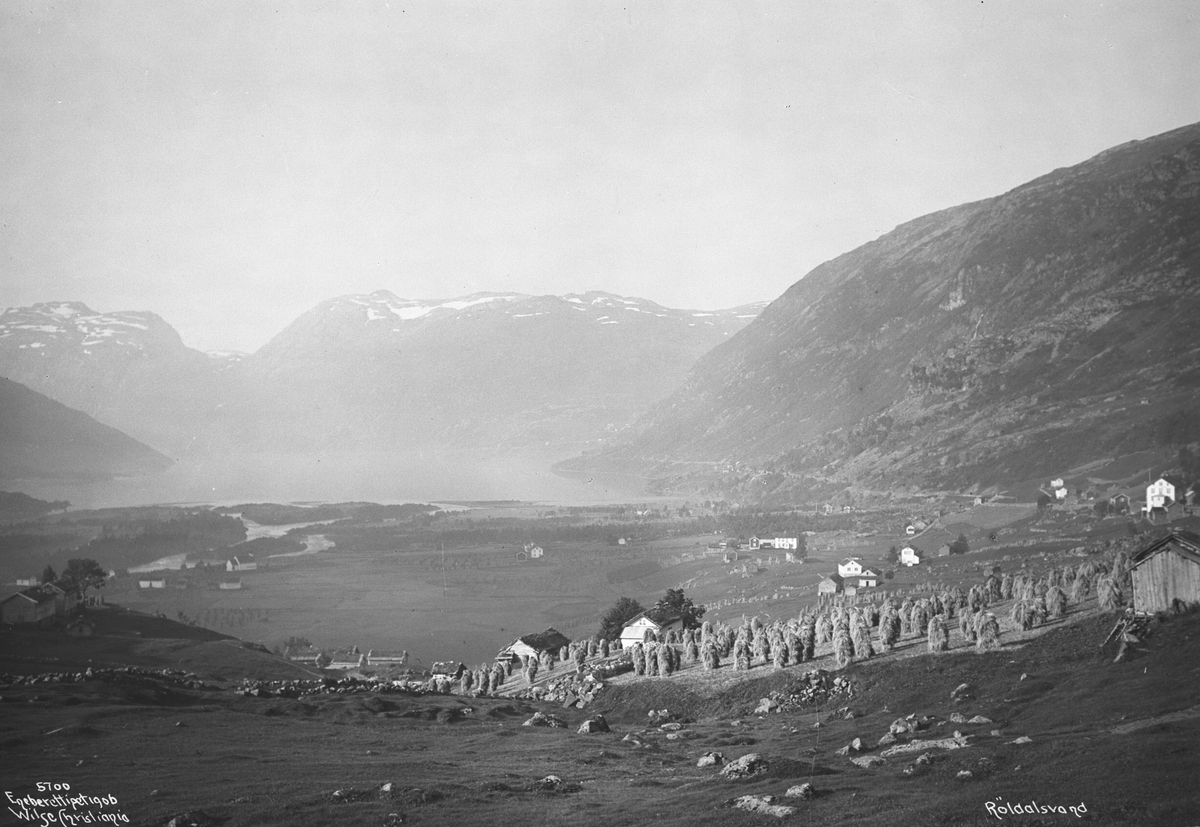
{"points": [[231, 165]]}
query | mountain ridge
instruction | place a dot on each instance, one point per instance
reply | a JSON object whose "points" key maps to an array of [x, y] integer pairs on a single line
{"points": [[952, 350]]}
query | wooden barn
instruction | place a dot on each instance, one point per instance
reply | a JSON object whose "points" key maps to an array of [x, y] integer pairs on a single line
{"points": [[1167, 572], [532, 646]]}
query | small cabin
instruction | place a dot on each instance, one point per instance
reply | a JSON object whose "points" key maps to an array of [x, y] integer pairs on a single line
{"points": [[830, 585], [1166, 573], [532, 646], [868, 579], [28, 606]]}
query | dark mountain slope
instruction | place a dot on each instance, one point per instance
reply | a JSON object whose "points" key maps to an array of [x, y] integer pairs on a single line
{"points": [[128, 368], [992, 341], [44, 439]]}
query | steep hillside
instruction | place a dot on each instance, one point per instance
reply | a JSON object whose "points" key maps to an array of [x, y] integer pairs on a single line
{"points": [[129, 369], [44, 439], [1005, 339], [486, 372]]}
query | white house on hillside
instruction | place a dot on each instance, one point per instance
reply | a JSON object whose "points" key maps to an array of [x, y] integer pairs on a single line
{"points": [[791, 543], [635, 629], [850, 567], [910, 556], [1157, 494]]}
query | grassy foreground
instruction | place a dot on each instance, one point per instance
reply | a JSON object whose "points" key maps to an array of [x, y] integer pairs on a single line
{"points": [[1119, 738]]}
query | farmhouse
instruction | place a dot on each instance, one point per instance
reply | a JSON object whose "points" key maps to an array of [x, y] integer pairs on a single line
{"points": [[152, 584], [1166, 573], [868, 579], [534, 551], [1120, 504], [910, 529], [1159, 494], [65, 593], [792, 543], [910, 556], [850, 567], [729, 557], [635, 629], [243, 562], [532, 646], [943, 550], [28, 606]]}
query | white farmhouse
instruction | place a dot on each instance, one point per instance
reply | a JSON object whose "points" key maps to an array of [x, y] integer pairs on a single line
{"points": [[790, 543], [1157, 494], [635, 629], [910, 556], [850, 567]]}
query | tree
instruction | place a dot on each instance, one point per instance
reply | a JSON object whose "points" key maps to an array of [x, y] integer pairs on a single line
{"points": [[960, 545], [893, 555], [85, 573], [617, 616], [295, 644], [675, 604], [48, 574]]}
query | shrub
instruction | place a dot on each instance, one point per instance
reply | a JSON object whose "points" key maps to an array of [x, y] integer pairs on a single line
{"points": [[639, 659]]}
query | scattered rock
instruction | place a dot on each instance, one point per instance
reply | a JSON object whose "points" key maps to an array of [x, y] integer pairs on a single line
{"points": [[746, 766], [887, 740], [671, 727], [542, 719], [349, 795], [802, 791], [979, 719], [857, 745], [996, 733], [1024, 739], [594, 725], [961, 692], [867, 761], [902, 726], [550, 782], [763, 804], [393, 819], [918, 746], [766, 706], [958, 718], [711, 759], [965, 775]]}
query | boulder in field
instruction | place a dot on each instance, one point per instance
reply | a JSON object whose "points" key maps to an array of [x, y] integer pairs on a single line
{"points": [[594, 725], [763, 804], [748, 765]]}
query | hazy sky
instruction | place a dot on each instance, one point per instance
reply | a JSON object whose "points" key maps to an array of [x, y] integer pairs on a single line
{"points": [[231, 164]]}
